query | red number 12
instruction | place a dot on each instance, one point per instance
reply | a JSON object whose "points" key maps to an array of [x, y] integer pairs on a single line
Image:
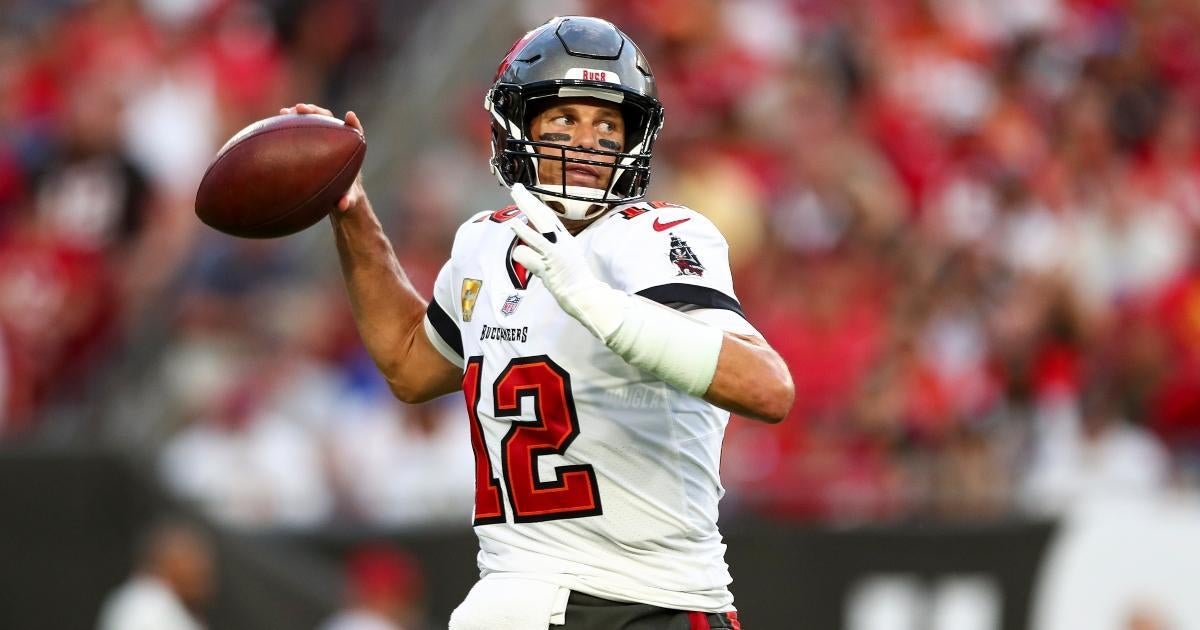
{"points": [[573, 492]]}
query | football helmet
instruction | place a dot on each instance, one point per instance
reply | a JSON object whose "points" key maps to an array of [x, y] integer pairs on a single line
{"points": [[571, 57]]}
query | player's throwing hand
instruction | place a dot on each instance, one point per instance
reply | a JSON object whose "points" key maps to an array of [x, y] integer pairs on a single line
{"points": [[356, 193]]}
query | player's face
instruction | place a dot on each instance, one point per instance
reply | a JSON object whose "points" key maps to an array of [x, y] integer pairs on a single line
{"points": [[578, 122]]}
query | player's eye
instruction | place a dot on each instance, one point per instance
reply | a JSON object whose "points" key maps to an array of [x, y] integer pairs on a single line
{"points": [[606, 127], [561, 121]]}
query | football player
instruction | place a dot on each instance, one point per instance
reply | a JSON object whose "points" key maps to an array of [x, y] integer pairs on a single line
{"points": [[598, 342]]}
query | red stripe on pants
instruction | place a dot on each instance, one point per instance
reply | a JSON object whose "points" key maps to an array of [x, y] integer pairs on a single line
{"points": [[698, 621], [732, 615]]}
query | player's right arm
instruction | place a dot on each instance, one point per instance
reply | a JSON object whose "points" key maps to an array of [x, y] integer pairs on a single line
{"points": [[388, 311]]}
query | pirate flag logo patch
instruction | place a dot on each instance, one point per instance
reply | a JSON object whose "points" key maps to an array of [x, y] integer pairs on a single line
{"points": [[684, 258]]}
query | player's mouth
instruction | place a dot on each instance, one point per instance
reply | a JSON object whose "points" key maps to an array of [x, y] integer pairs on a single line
{"points": [[582, 175]]}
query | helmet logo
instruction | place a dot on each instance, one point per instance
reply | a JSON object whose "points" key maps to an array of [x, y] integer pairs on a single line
{"points": [[588, 74]]}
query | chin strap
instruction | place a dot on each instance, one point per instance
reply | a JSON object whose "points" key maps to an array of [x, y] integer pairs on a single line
{"points": [[672, 346]]}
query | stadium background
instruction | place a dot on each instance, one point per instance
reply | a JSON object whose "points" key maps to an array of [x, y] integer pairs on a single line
{"points": [[969, 227]]}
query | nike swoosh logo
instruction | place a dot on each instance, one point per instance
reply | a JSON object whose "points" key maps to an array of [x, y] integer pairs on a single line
{"points": [[658, 227]]}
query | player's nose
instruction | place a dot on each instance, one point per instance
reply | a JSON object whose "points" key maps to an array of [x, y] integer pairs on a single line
{"points": [[585, 137]]}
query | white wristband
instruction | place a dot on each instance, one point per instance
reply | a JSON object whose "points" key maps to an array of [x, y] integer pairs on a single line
{"points": [[668, 344]]}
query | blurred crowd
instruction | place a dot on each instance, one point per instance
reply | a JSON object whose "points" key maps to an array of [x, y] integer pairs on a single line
{"points": [[969, 227], [110, 110]]}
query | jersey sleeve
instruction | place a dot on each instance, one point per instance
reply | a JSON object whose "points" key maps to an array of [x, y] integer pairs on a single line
{"points": [[728, 321], [677, 257], [441, 318]]}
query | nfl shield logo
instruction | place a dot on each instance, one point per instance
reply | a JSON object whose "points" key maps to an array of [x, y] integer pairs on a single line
{"points": [[510, 304]]}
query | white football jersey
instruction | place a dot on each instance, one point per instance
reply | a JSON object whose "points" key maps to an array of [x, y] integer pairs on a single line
{"points": [[590, 473]]}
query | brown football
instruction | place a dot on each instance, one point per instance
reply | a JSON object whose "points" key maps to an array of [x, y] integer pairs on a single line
{"points": [[280, 175]]}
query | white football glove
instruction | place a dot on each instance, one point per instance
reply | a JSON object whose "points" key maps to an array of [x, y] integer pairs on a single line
{"points": [[552, 254], [674, 347]]}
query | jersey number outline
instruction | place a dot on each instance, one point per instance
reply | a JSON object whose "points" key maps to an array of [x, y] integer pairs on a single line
{"points": [[574, 491]]}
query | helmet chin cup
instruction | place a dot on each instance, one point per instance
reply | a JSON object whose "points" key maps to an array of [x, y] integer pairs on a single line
{"points": [[578, 208]]}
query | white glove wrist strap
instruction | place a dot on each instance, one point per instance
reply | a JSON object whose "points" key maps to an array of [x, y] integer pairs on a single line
{"points": [[668, 344]]}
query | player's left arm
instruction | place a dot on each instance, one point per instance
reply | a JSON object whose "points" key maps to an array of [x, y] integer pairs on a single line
{"points": [[750, 378], [737, 372]]}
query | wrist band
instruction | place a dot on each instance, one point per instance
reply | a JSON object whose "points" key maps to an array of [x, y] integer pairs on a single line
{"points": [[668, 344]]}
